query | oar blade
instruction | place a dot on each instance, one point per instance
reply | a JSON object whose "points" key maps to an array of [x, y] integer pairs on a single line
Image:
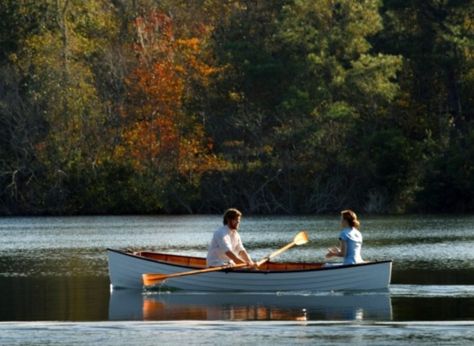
{"points": [[153, 279], [301, 238]]}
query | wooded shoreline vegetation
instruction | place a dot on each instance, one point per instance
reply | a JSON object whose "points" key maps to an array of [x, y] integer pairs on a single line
{"points": [[270, 106]]}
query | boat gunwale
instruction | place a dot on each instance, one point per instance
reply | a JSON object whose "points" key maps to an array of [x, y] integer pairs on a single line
{"points": [[230, 270]]}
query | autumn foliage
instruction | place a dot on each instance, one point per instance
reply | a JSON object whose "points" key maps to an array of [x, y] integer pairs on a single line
{"points": [[160, 135]]}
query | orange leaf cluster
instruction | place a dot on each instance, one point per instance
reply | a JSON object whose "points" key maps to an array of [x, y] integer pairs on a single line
{"points": [[160, 134]]}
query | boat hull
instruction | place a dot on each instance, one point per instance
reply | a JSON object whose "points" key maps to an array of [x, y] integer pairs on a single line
{"points": [[126, 271]]}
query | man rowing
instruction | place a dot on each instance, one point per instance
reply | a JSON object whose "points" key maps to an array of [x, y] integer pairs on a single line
{"points": [[226, 246]]}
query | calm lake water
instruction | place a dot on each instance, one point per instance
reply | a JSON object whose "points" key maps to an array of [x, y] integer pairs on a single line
{"points": [[54, 286]]}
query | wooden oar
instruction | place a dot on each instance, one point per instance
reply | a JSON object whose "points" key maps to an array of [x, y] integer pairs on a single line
{"points": [[156, 278]]}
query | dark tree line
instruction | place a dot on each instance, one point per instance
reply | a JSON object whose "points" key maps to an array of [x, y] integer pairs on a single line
{"points": [[283, 106]]}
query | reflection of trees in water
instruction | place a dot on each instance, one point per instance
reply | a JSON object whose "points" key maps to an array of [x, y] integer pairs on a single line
{"points": [[54, 298]]}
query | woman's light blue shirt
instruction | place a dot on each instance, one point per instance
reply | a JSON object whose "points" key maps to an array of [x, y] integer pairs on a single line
{"points": [[353, 239]]}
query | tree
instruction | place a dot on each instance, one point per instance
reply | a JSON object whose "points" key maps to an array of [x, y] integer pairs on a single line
{"points": [[300, 79], [436, 38], [160, 138]]}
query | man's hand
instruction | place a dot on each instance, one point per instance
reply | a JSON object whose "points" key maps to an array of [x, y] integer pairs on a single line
{"points": [[252, 264]]}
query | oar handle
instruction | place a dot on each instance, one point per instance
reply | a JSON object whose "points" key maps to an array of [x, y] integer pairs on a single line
{"points": [[151, 279], [207, 270]]}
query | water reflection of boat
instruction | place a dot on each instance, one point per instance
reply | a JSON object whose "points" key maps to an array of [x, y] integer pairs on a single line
{"points": [[137, 305], [126, 269]]}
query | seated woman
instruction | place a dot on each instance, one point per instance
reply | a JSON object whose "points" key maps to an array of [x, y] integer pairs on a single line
{"points": [[350, 239]]}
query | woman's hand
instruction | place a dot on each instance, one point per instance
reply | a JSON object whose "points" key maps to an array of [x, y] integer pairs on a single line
{"points": [[333, 252]]}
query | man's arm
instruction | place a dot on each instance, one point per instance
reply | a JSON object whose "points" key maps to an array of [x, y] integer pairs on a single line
{"points": [[244, 254], [245, 258], [233, 257]]}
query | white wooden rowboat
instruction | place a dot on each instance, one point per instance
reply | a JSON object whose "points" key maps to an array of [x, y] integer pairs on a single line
{"points": [[126, 269]]}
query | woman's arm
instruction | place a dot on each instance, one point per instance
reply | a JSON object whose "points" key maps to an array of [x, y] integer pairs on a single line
{"points": [[343, 248], [337, 251]]}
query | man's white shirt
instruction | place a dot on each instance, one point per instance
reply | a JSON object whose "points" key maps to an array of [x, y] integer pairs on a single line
{"points": [[222, 241]]}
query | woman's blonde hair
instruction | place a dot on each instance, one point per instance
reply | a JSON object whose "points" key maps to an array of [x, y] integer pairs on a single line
{"points": [[351, 218]]}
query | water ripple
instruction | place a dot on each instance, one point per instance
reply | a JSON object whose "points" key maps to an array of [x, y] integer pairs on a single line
{"points": [[431, 291], [237, 333]]}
